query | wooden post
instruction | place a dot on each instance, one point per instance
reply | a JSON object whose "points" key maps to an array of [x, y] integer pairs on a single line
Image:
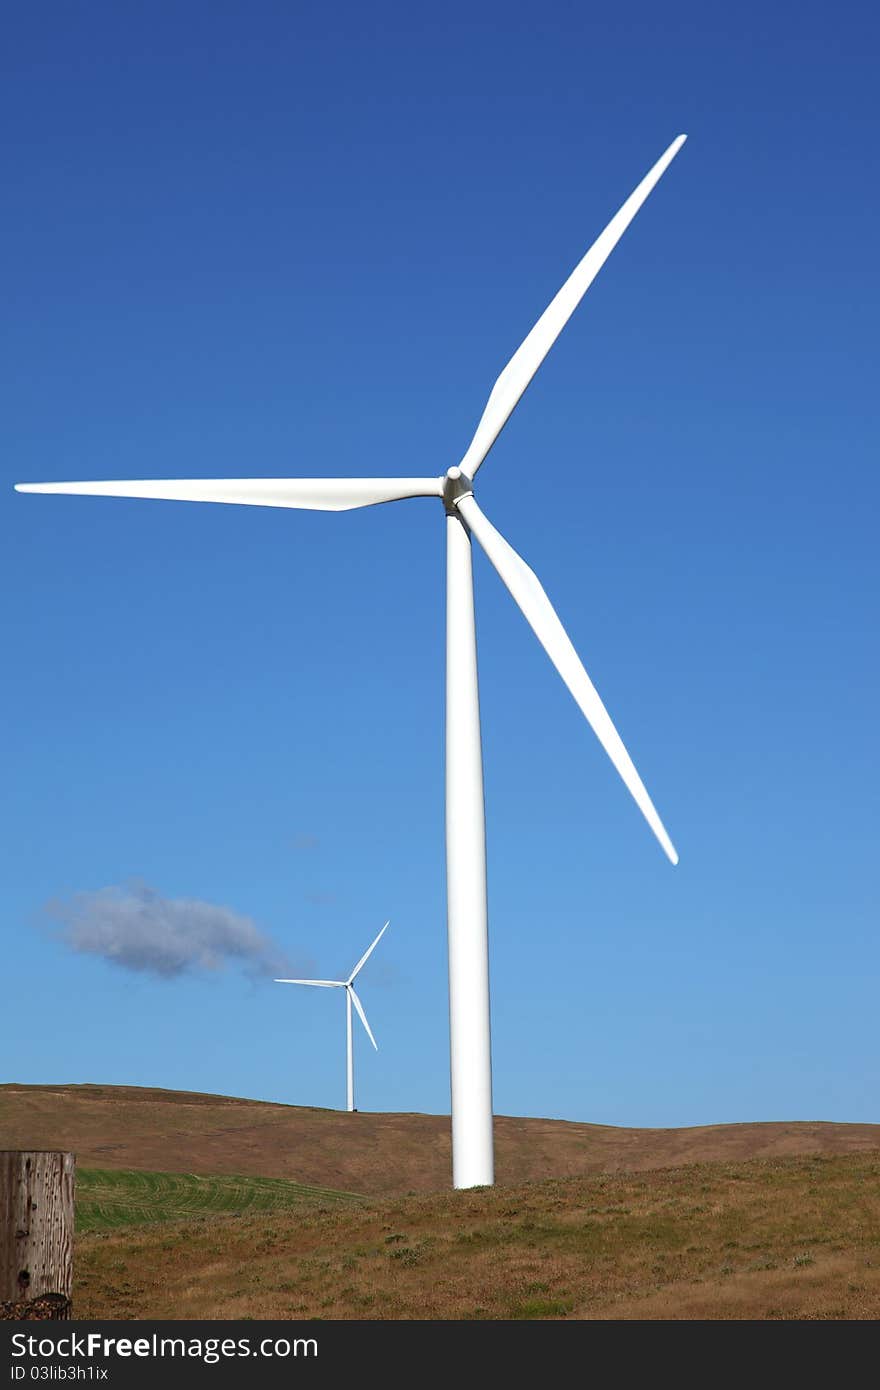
{"points": [[36, 1231]]}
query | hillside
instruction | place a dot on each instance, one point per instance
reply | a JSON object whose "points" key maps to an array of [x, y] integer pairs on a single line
{"points": [[122, 1127], [769, 1238]]}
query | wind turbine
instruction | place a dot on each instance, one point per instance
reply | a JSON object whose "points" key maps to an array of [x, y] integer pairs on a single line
{"points": [[350, 998], [467, 925]]}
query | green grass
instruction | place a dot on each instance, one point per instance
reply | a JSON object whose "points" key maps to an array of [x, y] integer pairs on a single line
{"points": [[108, 1199], [540, 1308]]}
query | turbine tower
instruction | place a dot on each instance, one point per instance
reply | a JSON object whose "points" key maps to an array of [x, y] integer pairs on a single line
{"points": [[470, 1057], [350, 998]]}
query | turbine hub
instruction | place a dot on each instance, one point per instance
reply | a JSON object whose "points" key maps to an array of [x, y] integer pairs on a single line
{"points": [[455, 486]]}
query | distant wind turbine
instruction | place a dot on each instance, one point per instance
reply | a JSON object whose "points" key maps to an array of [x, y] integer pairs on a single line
{"points": [[467, 918], [350, 998]]}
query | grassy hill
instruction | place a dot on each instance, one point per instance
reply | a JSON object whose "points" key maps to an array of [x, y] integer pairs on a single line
{"points": [[196, 1206], [767, 1238], [122, 1127]]}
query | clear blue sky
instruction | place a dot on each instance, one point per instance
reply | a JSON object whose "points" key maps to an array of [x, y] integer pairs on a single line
{"points": [[295, 239]]}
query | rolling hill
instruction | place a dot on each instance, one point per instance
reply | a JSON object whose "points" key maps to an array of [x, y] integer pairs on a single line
{"points": [[125, 1127], [199, 1206]]}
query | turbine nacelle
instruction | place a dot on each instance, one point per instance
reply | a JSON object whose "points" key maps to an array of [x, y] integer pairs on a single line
{"points": [[455, 485]]}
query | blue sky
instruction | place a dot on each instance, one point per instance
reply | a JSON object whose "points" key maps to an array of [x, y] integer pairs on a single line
{"points": [[279, 239]]}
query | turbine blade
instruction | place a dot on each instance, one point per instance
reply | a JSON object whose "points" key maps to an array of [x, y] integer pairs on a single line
{"points": [[528, 357], [528, 593], [322, 984], [363, 1017], [366, 956], [309, 494]]}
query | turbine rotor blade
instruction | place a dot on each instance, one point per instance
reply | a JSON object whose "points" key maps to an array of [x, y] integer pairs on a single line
{"points": [[361, 1015], [322, 984], [530, 354], [529, 595], [309, 494], [366, 956]]}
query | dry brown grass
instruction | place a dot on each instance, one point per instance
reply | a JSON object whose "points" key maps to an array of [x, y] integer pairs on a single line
{"points": [[725, 1221], [771, 1238], [184, 1132]]}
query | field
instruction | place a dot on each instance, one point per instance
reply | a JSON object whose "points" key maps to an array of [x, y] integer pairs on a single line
{"points": [[109, 1198], [194, 1206], [782, 1238]]}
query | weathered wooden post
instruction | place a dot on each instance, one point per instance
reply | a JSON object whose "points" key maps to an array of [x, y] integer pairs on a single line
{"points": [[36, 1233]]}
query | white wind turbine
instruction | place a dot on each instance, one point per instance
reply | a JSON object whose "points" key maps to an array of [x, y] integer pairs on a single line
{"points": [[470, 1056], [350, 998]]}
